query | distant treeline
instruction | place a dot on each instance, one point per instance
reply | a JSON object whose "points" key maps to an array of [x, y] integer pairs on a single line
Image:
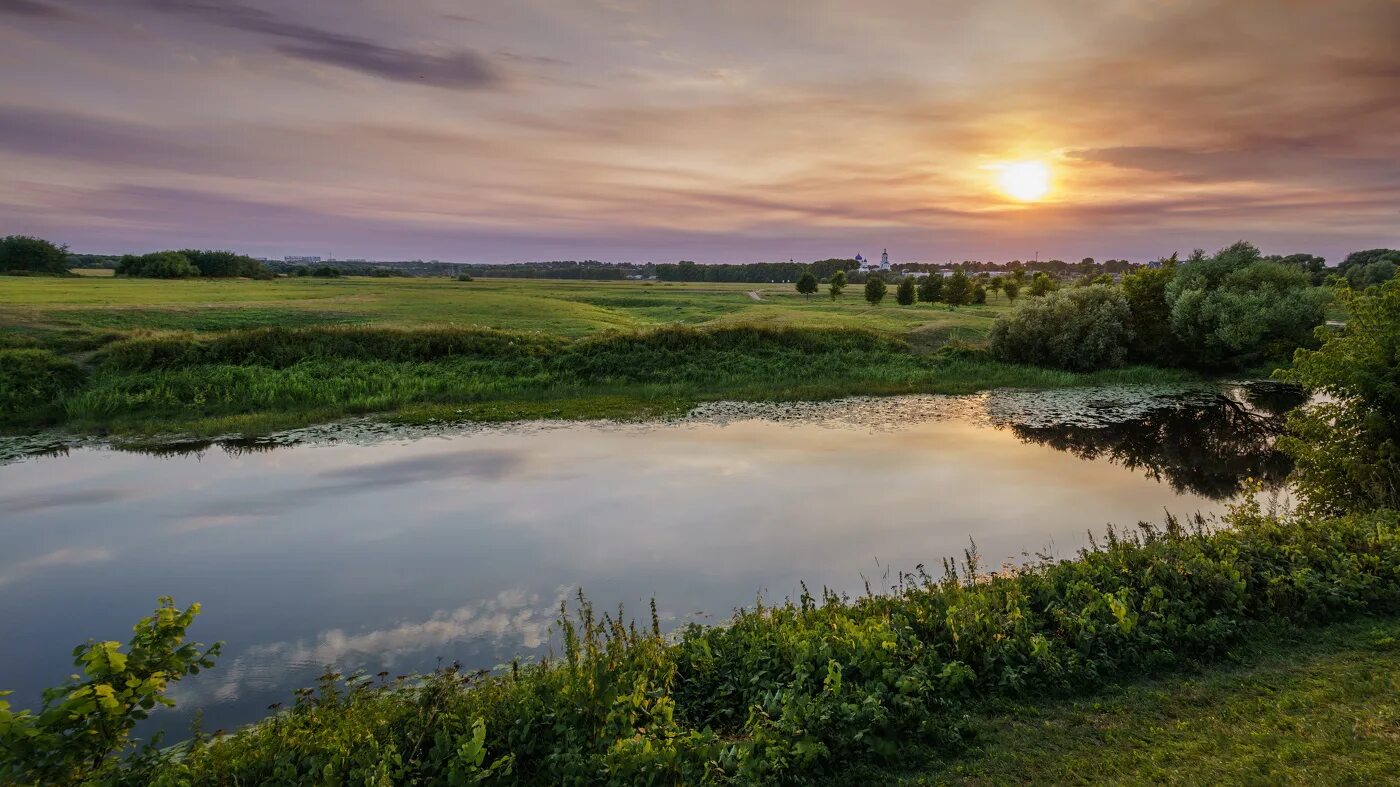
{"points": [[754, 272]]}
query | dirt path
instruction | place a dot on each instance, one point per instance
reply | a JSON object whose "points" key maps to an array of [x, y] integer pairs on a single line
{"points": [[754, 294]]}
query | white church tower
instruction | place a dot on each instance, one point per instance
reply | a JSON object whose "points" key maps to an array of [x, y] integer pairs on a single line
{"points": [[885, 260]]}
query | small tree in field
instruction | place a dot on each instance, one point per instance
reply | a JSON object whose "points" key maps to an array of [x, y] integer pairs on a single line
{"points": [[904, 294], [838, 283], [807, 284], [930, 288], [996, 286], [1043, 285], [1012, 289], [874, 290], [979, 294], [957, 290]]}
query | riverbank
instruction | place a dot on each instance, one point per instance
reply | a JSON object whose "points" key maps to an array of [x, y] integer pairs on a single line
{"points": [[252, 382], [818, 689], [1294, 706]]}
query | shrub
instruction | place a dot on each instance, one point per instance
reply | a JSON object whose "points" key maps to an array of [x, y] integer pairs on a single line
{"points": [[904, 293], [33, 383], [1080, 329], [1347, 446], [874, 289], [21, 253], [1150, 316], [84, 726], [930, 288], [1235, 308], [806, 690], [226, 264]]}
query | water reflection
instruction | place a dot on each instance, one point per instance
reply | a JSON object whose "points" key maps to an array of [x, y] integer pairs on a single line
{"points": [[1208, 444], [376, 547]]}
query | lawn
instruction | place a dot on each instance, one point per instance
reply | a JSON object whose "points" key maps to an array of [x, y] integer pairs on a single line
{"points": [[1300, 707], [44, 306]]}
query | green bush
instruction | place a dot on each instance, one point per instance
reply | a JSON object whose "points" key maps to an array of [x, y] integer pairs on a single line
{"points": [[226, 264], [1347, 444], [1081, 329], [23, 254], [808, 689], [32, 384], [157, 265], [1235, 308]]}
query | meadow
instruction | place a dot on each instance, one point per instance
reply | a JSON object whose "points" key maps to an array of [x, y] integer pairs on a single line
{"points": [[572, 349]]}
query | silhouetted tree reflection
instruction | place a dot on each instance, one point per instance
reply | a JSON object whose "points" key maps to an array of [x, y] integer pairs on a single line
{"points": [[1203, 444]]}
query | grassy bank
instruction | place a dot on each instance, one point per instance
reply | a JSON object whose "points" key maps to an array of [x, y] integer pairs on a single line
{"points": [[842, 690], [254, 380], [1297, 706]]}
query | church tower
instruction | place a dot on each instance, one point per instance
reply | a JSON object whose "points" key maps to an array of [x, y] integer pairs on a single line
{"points": [[885, 260]]}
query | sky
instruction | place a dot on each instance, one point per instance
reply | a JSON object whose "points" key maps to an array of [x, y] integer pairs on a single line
{"points": [[709, 130]]}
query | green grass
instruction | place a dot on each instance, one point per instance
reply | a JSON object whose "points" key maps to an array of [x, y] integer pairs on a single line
{"points": [[206, 356], [1300, 707]]}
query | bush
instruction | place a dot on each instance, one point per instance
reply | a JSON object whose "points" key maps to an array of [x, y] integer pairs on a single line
{"points": [[1347, 445], [904, 293], [1080, 329], [157, 265], [33, 383], [806, 690], [1151, 316], [23, 254], [1235, 308]]}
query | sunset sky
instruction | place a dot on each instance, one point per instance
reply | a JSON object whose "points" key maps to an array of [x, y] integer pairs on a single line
{"points": [[512, 130]]}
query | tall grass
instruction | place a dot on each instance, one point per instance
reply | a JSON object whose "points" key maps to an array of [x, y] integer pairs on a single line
{"points": [[810, 689]]}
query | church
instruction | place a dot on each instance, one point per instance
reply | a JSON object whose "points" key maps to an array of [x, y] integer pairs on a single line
{"points": [[865, 265]]}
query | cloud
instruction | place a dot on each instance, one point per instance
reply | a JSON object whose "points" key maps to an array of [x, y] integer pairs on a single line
{"points": [[32, 8], [68, 556], [42, 501], [462, 69]]}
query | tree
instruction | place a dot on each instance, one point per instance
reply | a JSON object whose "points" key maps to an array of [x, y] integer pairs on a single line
{"points": [[1042, 284], [1080, 329], [157, 265], [930, 288], [904, 294], [326, 272], [996, 286], [1153, 340], [957, 290], [85, 725], [1236, 308], [1012, 289], [226, 264], [979, 294], [874, 290], [1347, 446], [32, 255], [807, 284], [1359, 277], [838, 283]]}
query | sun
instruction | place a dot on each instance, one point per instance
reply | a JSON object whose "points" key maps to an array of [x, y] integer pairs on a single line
{"points": [[1027, 181]]}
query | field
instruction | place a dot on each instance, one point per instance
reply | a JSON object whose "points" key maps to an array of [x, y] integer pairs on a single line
{"points": [[85, 352], [42, 307]]}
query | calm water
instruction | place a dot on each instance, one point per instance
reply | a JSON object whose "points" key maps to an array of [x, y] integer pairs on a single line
{"points": [[366, 548]]}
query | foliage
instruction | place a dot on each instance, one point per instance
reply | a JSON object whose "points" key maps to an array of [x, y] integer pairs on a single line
{"points": [[838, 283], [904, 293], [811, 688], [1362, 276], [807, 284], [1080, 329], [1012, 290], [1153, 340], [157, 265], [957, 289], [874, 290], [226, 264], [32, 383], [1347, 446], [930, 288], [84, 727], [21, 253], [464, 277], [979, 294], [1042, 284], [1236, 308], [325, 272]]}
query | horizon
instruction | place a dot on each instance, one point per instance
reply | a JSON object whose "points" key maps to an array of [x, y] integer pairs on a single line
{"points": [[633, 131]]}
